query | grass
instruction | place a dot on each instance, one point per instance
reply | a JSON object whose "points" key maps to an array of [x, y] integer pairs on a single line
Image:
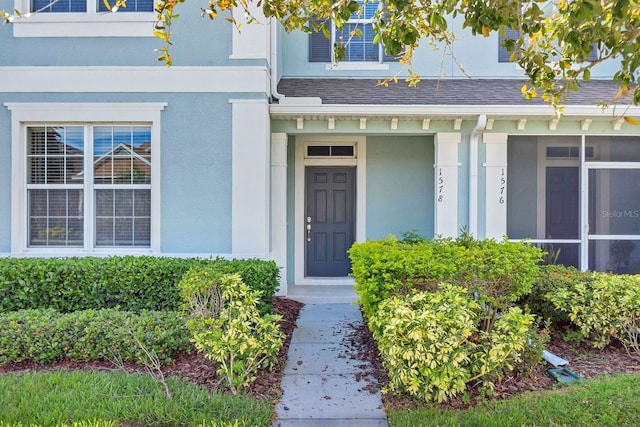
{"points": [[606, 401], [105, 399]]}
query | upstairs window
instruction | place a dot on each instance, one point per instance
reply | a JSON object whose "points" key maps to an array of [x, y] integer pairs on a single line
{"points": [[83, 6], [355, 37], [84, 18], [510, 37], [359, 47]]}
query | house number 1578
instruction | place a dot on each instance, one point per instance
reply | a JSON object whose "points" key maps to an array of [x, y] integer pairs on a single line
{"points": [[440, 186]]}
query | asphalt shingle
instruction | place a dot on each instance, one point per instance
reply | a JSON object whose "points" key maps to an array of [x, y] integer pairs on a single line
{"points": [[435, 92]]}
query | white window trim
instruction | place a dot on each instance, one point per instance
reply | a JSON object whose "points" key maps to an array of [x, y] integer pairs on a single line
{"points": [[348, 66], [83, 24], [302, 141], [29, 114]]}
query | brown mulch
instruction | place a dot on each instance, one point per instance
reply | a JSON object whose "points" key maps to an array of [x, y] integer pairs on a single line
{"points": [[583, 360]]}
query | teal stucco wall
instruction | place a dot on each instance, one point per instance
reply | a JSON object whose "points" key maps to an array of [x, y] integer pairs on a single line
{"points": [[399, 185]]}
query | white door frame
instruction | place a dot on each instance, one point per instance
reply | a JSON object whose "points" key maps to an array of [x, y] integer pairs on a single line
{"points": [[301, 162]]}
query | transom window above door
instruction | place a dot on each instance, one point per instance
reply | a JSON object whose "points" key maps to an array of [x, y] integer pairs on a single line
{"points": [[344, 151]]}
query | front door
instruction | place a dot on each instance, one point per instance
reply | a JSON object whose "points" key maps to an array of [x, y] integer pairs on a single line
{"points": [[329, 220]]}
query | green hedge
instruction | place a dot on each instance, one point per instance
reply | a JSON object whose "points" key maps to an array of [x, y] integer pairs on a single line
{"points": [[605, 308], [500, 272], [553, 277], [45, 336], [130, 283]]}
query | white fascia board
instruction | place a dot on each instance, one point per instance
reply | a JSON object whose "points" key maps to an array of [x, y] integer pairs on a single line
{"points": [[445, 110], [250, 79]]}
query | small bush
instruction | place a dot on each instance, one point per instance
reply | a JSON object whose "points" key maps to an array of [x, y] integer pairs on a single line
{"points": [[227, 327], [498, 272], [131, 283], [605, 308], [432, 347], [45, 336], [553, 277]]}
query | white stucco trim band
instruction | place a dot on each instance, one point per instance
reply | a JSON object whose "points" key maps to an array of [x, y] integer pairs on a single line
{"points": [[254, 79], [23, 114]]}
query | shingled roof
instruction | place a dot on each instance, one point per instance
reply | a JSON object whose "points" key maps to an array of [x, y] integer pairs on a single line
{"points": [[435, 92]]}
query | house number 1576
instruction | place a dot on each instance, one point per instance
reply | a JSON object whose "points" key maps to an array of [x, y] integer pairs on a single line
{"points": [[503, 186]]}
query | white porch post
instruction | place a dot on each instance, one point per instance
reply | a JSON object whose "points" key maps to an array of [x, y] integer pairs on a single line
{"points": [[496, 185], [279, 206], [446, 181], [250, 178]]}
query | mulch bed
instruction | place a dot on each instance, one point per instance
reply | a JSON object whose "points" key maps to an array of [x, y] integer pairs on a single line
{"points": [[583, 360], [192, 366]]}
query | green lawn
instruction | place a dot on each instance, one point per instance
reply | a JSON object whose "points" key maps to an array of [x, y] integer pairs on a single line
{"points": [[607, 401], [118, 399]]}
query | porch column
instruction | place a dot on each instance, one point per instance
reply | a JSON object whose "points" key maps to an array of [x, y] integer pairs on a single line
{"points": [[446, 181], [250, 176], [496, 185], [279, 206]]}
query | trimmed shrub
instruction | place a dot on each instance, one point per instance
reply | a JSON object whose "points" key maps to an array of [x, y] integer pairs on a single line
{"points": [[131, 283], [605, 308], [46, 336], [497, 272], [553, 277], [227, 327], [432, 347]]}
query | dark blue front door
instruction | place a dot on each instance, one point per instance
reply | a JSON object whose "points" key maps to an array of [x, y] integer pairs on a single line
{"points": [[329, 220]]}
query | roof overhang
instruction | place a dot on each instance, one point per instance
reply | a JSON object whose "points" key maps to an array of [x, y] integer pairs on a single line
{"points": [[316, 111]]}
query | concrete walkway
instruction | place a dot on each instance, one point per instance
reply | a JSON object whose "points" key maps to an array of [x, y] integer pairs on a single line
{"points": [[324, 385]]}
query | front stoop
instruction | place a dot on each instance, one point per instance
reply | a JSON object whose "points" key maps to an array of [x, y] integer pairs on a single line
{"points": [[322, 294]]}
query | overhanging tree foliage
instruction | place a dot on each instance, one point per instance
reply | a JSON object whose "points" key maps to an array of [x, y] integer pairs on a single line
{"points": [[553, 47]]}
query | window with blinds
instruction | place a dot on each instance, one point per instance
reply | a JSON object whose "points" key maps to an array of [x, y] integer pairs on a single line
{"points": [[80, 6], [110, 177], [355, 37]]}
